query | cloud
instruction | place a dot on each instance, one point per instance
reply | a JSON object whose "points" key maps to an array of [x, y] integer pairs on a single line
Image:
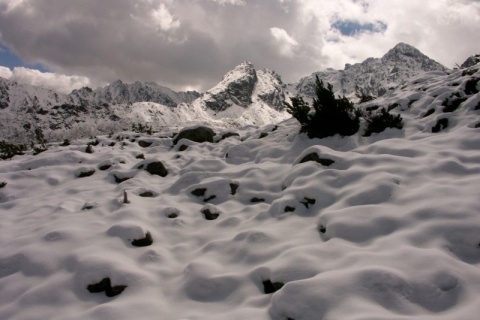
{"points": [[164, 19], [193, 43], [5, 72], [59, 82], [286, 43]]}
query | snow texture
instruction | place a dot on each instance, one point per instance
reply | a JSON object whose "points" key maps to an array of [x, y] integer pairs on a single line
{"points": [[390, 230]]}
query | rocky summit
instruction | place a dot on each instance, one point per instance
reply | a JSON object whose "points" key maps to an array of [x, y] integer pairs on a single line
{"points": [[374, 76]]}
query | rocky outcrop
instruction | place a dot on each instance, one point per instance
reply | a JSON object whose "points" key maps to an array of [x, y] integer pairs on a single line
{"points": [[236, 88]]}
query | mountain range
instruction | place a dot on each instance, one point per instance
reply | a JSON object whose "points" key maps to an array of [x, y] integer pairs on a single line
{"points": [[244, 96]]}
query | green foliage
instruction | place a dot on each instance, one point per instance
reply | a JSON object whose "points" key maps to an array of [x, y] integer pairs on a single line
{"points": [[8, 150], [332, 116], [381, 120]]}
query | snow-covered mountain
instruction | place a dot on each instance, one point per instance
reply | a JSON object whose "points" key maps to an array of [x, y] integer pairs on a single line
{"points": [[374, 76], [24, 107], [244, 96]]}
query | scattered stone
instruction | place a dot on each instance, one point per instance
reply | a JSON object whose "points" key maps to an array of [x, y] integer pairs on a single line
{"points": [[144, 144], [140, 156], [228, 135], [156, 168], [322, 228], [105, 167], [125, 197], [307, 202], [257, 200], [429, 112], [271, 287], [263, 135], [210, 215], [120, 180], [3, 184], [182, 148], [172, 215], [199, 192], [440, 125], [233, 188], [147, 194], [289, 209], [144, 242], [111, 144], [84, 174], [198, 134], [105, 285], [314, 157], [65, 143], [89, 149], [88, 206], [209, 198]]}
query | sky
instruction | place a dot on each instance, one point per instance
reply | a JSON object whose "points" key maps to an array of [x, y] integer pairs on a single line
{"points": [[191, 44]]}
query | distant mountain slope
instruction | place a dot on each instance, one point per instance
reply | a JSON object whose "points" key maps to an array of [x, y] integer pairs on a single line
{"points": [[374, 76], [23, 107], [243, 97]]}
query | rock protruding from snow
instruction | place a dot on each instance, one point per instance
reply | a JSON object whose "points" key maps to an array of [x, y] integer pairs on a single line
{"points": [[374, 76], [470, 62], [236, 88]]}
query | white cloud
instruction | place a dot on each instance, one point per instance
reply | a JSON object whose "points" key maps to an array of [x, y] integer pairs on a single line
{"points": [[286, 43], [181, 43], [163, 19], [58, 82], [5, 72]]}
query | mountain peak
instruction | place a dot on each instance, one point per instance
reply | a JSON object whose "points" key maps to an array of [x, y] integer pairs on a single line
{"points": [[401, 50]]}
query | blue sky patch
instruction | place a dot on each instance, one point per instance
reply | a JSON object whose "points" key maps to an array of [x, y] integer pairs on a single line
{"points": [[10, 60], [351, 28]]}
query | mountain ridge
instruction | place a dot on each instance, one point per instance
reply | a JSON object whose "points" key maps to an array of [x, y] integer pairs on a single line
{"points": [[374, 76], [244, 96]]}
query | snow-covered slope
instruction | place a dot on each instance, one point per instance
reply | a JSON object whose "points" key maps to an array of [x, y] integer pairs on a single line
{"points": [[374, 76], [243, 229]]}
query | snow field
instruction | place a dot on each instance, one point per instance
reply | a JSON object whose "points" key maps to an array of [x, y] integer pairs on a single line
{"points": [[389, 230]]}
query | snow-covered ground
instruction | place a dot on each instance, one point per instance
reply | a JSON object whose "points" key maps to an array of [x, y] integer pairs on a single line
{"points": [[389, 230]]}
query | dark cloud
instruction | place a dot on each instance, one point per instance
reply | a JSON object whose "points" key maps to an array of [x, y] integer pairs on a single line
{"points": [[192, 43], [188, 42]]}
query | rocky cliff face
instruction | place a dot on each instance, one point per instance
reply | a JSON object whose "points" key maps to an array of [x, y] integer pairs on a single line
{"points": [[236, 88], [244, 86], [374, 76]]}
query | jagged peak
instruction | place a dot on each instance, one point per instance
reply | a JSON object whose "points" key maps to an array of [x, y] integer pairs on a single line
{"points": [[404, 50]]}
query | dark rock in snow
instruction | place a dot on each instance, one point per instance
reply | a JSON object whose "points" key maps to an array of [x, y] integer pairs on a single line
{"points": [[198, 134], [314, 157], [144, 242], [271, 287], [156, 168], [105, 285]]}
